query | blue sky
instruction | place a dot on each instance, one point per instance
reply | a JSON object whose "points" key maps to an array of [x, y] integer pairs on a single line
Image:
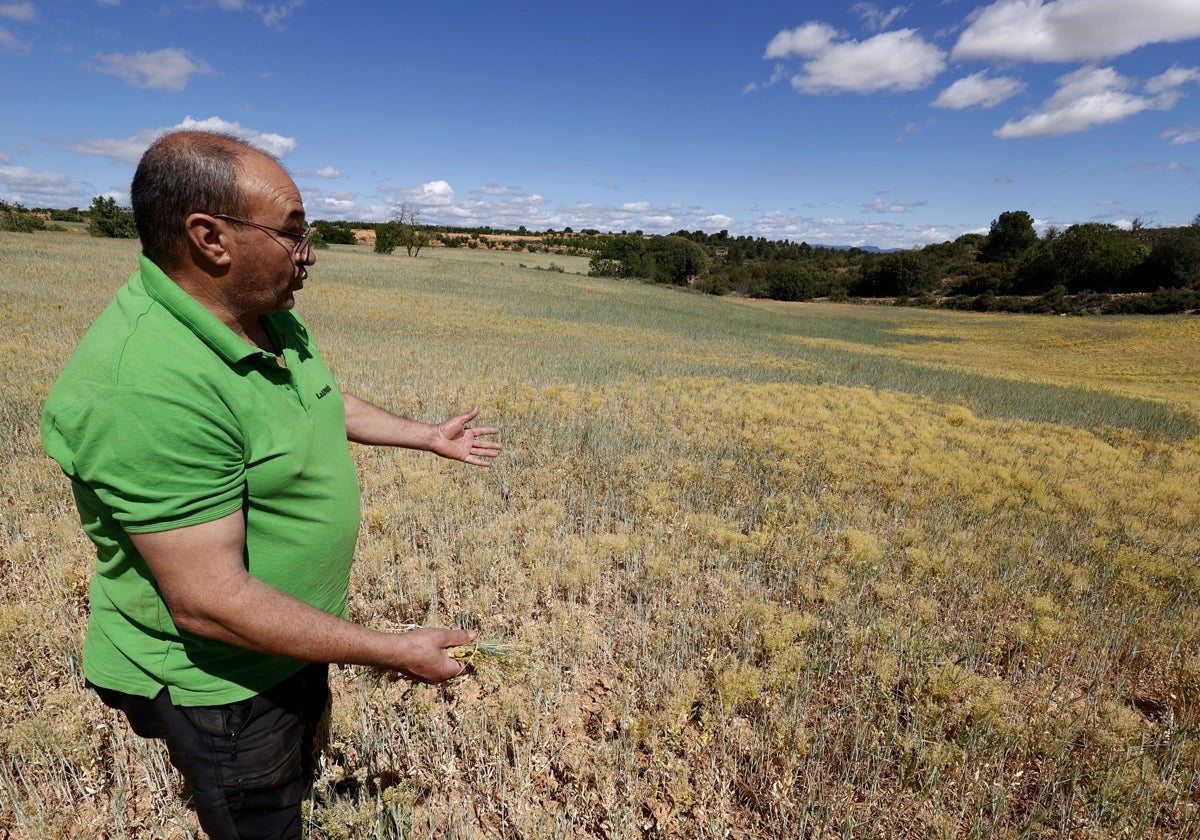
{"points": [[859, 124]]}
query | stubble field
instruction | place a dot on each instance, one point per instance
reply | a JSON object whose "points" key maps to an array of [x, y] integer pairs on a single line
{"points": [[778, 571]]}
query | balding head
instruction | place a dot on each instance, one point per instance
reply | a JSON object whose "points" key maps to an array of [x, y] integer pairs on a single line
{"points": [[182, 173]]}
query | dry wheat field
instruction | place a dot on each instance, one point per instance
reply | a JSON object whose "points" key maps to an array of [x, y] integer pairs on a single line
{"points": [[752, 570]]}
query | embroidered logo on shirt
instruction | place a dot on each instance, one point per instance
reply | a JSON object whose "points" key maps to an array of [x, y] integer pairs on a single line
{"points": [[324, 392]]}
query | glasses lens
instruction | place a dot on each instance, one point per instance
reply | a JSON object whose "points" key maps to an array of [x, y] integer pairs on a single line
{"points": [[303, 246]]}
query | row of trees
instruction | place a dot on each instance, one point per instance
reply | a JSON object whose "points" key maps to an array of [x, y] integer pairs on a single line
{"points": [[1096, 267], [104, 218], [1092, 266]]}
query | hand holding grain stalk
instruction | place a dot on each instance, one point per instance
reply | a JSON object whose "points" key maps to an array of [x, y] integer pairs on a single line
{"points": [[486, 655]]}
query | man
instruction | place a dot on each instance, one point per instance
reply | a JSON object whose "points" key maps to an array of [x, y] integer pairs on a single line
{"points": [[206, 445]]}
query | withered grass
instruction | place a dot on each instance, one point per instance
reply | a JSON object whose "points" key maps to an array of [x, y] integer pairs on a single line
{"points": [[776, 571]]}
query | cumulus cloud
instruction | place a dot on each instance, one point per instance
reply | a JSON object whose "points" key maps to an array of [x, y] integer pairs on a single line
{"points": [[166, 69], [978, 89], [129, 149], [807, 40], [1086, 98], [1074, 30], [1176, 77], [891, 61], [38, 189]]}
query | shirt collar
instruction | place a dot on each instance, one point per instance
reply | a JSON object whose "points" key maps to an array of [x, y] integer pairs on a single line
{"points": [[189, 312]]}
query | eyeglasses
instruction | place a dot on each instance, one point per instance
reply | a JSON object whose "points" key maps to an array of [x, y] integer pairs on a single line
{"points": [[301, 252]]}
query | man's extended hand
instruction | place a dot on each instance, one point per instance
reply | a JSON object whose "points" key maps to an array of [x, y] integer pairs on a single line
{"points": [[421, 653], [459, 442]]}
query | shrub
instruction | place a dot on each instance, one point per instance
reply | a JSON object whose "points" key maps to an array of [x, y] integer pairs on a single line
{"points": [[387, 236], [106, 218], [16, 219]]}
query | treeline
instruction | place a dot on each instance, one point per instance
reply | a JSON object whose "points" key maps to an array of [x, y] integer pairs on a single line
{"points": [[1088, 267], [1085, 268], [104, 218]]}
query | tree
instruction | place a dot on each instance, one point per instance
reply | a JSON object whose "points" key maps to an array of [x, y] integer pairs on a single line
{"points": [[106, 218], [16, 219], [1174, 261], [1097, 257], [387, 235], [622, 256], [335, 233], [676, 259], [1011, 235], [410, 234], [899, 274]]}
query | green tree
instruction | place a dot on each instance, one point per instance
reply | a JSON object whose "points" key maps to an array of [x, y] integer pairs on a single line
{"points": [[16, 219], [899, 274], [410, 233], [1011, 235], [387, 236], [622, 256], [106, 218], [335, 233], [676, 259], [1097, 257], [1174, 261]]}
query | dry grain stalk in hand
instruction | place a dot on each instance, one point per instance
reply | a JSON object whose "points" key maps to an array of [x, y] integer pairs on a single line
{"points": [[483, 654]]}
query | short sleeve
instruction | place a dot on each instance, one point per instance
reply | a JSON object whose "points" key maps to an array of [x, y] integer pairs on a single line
{"points": [[159, 460]]}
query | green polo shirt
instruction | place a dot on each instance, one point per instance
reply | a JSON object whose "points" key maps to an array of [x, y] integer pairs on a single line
{"points": [[164, 418]]}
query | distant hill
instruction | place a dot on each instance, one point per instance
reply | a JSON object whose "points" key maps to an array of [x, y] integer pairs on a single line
{"points": [[872, 249]]}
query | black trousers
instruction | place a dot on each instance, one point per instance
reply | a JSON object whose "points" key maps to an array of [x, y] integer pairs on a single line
{"points": [[249, 764]]}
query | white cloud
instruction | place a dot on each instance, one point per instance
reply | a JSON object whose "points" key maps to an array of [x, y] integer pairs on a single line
{"points": [[1074, 30], [895, 61], [166, 69], [1182, 136], [807, 40], [17, 11], [1176, 77], [978, 89], [1087, 97], [129, 149], [875, 18], [323, 172], [38, 189], [431, 194], [878, 205], [274, 15], [496, 189]]}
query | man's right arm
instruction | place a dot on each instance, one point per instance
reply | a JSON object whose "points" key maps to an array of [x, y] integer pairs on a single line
{"points": [[206, 586]]}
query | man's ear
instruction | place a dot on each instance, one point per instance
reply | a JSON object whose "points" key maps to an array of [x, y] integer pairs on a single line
{"points": [[207, 240]]}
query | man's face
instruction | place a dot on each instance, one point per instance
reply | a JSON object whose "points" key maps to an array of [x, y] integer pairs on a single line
{"points": [[268, 272]]}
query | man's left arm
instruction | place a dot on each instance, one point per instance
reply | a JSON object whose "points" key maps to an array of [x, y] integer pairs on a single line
{"points": [[453, 438]]}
